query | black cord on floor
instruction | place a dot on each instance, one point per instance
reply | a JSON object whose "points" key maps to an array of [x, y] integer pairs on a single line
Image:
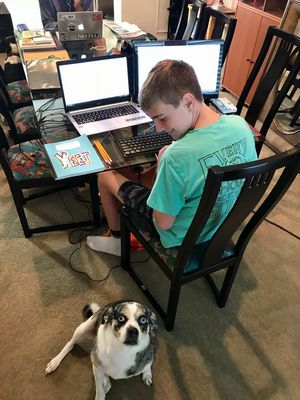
{"points": [[280, 227], [284, 229], [83, 234]]}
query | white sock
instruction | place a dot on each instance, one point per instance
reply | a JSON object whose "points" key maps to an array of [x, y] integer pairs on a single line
{"points": [[110, 245]]}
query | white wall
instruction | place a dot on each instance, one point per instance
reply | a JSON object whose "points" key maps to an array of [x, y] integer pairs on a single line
{"points": [[25, 11], [150, 15]]}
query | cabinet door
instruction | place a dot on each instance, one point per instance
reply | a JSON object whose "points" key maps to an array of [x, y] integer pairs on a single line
{"points": [[266, 21], [241, 49]]}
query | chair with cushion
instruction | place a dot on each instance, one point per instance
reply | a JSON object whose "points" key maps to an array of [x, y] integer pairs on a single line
{"points": [[276, 77], [216, 25], [26, 167], [22, 122], [17, 93], [224, 251]]}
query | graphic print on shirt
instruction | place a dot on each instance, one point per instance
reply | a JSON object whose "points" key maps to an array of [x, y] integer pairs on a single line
{"points": [[229, 155]]}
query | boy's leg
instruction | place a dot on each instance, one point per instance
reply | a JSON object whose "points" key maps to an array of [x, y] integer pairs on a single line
{"points": [[109, 183], [116, 189]]}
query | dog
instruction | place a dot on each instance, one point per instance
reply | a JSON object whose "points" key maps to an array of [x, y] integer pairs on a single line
{"points": [[125, 343]]}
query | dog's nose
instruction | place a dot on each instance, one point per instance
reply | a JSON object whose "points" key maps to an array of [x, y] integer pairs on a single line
{"points": [[132, 332]]}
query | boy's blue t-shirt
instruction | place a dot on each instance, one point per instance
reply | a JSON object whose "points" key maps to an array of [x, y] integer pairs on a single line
{"points": [[183, 169]]}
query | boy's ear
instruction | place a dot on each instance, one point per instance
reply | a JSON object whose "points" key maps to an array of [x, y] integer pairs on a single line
{"points": [[188, 100]]}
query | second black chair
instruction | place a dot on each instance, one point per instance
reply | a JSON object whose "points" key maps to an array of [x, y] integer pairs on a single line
{"points": [[276, 79], [223, 27], [27, 167]]}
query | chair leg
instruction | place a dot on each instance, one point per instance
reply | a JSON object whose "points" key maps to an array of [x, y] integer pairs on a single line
{"points": [[95, 201], [227, 284], [172, 305], [19, 203], [125, 245]]}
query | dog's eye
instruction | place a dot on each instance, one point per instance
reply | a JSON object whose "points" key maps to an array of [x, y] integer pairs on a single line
{"points": [[143, 320], [121, 318]]}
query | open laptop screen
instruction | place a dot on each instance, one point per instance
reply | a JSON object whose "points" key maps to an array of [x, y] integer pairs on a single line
{"points": [[205, 56], [93, 82]]}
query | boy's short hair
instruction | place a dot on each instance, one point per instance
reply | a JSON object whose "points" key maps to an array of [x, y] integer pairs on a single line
{"points": [[167, 82]]}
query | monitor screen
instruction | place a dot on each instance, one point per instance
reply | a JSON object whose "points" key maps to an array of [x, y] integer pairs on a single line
{"points": [[205, 56], [93, 80]]}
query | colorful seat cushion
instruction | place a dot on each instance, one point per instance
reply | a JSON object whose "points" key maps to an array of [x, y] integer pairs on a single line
{"points": [[169, 255], [19, 92], [29, 160], [24, 119]]}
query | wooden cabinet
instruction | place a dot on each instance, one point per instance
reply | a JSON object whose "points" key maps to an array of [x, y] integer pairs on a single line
{"points": [[251, 29]]}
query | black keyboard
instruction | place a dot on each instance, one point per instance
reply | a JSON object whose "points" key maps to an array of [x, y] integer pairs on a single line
{"points": [[99, 115], [140, 145]]}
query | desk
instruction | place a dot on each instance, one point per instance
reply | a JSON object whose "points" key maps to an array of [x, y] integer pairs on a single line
{"points": [[55, 126]]}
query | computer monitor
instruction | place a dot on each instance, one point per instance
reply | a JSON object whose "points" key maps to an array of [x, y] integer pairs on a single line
{"points": [[205, 56]]}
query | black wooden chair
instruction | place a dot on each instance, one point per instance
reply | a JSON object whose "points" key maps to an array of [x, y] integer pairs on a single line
{"points": [[277, 77], [182, 21], [189, 261], [223, 27], [26, 167], [194, 20], [22, 121], [17, 93]]}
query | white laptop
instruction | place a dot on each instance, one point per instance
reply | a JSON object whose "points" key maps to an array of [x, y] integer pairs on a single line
{"points": [[97, 96], [79, 25]]}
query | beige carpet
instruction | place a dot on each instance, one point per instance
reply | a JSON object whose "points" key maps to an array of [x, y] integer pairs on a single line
{"points": [[249, 350]]}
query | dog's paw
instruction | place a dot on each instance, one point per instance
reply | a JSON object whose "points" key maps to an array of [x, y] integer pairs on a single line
{"points": [[147, 378], [52, 365], [106, 384]]}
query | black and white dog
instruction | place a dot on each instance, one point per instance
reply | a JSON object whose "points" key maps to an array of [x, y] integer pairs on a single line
{"points": [[125, 343]]}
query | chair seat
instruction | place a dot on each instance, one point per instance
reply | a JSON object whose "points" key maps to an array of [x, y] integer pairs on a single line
{"points": [[24, 119], [169, 255], [19, 92], [29, 163]]}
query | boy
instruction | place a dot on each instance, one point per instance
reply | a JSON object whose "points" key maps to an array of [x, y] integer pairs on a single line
{"points": [[172, 97]]}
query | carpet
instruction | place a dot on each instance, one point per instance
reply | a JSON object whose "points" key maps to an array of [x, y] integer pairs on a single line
{"points": [[249, 350]]}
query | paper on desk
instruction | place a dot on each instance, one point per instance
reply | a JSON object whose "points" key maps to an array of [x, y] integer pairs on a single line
{"points": [[68, 146], [125, 30]]}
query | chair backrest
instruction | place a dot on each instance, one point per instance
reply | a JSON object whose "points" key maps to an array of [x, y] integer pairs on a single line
{"points": [[216, 25], [5, 111], [254, 179], [3, 89], [3, 140], [182, 21], [279, 73], [4, 146], [195, 16], [2, 75]]}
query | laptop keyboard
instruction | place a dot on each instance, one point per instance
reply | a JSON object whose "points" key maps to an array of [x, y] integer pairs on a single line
{"points": [[140, 145], [99, 115]]}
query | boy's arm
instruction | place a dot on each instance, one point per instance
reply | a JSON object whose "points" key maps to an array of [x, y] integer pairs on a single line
{"points": [[163, 221]]}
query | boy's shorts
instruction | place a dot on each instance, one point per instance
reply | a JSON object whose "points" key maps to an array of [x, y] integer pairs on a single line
{"points": [[134, 196]]}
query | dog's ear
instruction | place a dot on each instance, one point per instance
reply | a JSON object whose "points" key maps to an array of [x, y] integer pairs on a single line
{"points": [[152, 323], [107, 315]]}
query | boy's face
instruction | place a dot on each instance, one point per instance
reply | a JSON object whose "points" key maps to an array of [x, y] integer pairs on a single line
{"points": [[174, 120]]}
